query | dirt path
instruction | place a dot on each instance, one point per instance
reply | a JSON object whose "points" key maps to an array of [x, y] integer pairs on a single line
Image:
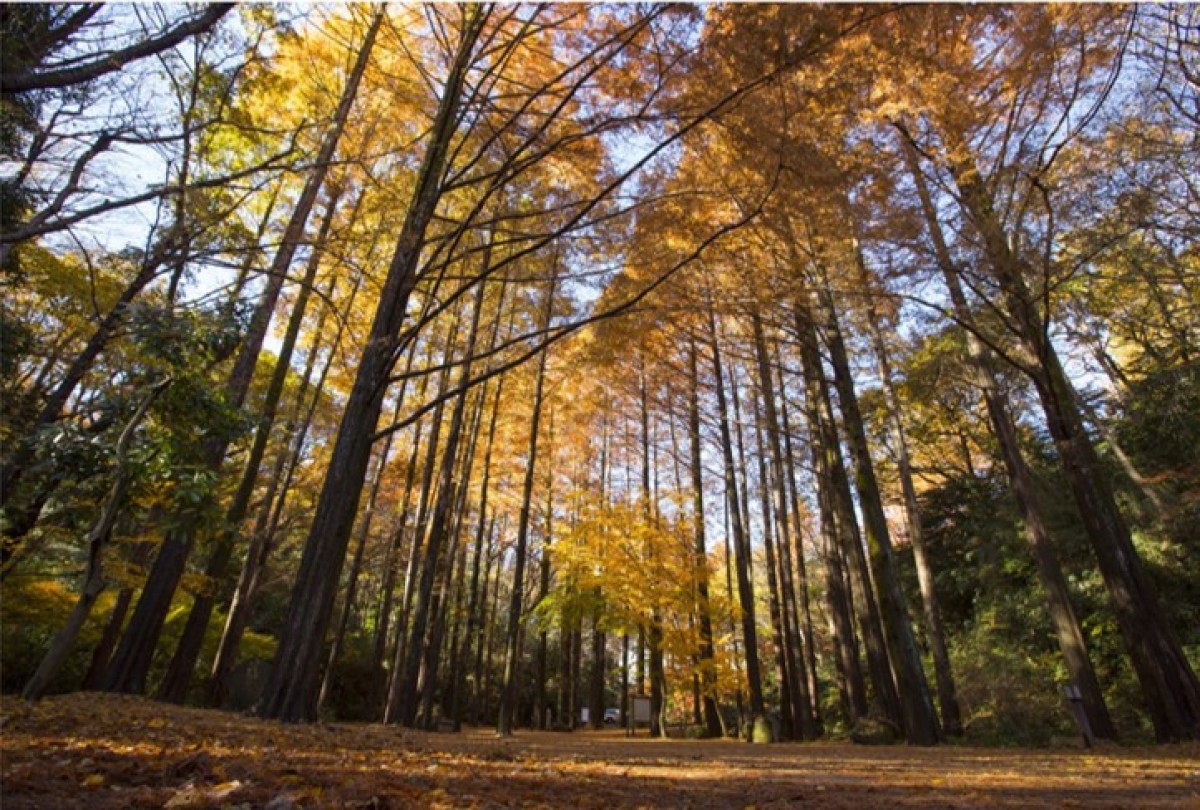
{"points": [[104, 751]]}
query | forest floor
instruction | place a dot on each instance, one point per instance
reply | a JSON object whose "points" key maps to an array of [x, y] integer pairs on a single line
{"points": [[107, 751]]}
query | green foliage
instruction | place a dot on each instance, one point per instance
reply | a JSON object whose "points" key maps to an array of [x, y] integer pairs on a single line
{"points": [[1008, 695], [31, 612], [1160, 429], [976, 552]]}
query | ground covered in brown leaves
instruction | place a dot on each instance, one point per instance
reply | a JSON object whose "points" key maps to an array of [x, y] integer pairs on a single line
{"points": [[105, 751]]}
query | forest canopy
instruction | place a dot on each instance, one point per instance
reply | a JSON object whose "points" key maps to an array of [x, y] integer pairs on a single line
{"points": [[809, 370]]}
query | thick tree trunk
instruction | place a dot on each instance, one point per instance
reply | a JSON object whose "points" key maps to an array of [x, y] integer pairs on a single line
{"points": [[827, 461], [291, 692], [360, 547], [916, 703], [431, 652], [1071, 639]]}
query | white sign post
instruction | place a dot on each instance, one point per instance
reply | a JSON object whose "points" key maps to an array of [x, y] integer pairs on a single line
{"points": [[640, 714]]}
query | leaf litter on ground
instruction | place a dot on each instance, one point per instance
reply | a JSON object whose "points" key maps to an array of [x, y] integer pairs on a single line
{"points": [[117, 751]]}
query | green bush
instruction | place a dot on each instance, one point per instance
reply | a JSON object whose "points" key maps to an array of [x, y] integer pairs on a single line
{"points": [[1008, 694]]}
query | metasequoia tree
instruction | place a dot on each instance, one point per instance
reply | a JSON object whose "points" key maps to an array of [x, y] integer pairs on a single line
{"points": [[665, 351], [449, 165]]}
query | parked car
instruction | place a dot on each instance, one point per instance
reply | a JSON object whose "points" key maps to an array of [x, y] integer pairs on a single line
{"points": [[612, 717]]}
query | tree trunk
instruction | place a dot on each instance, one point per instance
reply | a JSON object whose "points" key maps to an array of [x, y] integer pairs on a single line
{"points": [[485, 652], [131, 663], [827, 462], [1071, 639], [474, 601], [947, 694], [741, 542], [438, 525], [916, 704], [414, 568], [708, 672], [291, 692], [654, 630], [97, 538], [541, 703], [508, 691], [784, 660], [802, 720], [266, 525], [810, 655], [360, 546], [183, 663]]}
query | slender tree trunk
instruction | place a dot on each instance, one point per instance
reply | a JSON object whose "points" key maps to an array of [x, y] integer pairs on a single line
{"points": [[266, 527], [541, 704], [782, 659], [802, 721], [508, 693], [379, 678], [810, 656], [97, 538], [485, 653], [108, 640], [432, 648], [413, 565], [654, 632], [438, 525], [475, 602], [741, 542], [863, 593], [947, 697], [708, 672], [599, 637], [183, 663], [131, 664]]}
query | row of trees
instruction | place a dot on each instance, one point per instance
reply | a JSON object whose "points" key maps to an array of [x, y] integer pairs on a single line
{"points": [[487, 363]]}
